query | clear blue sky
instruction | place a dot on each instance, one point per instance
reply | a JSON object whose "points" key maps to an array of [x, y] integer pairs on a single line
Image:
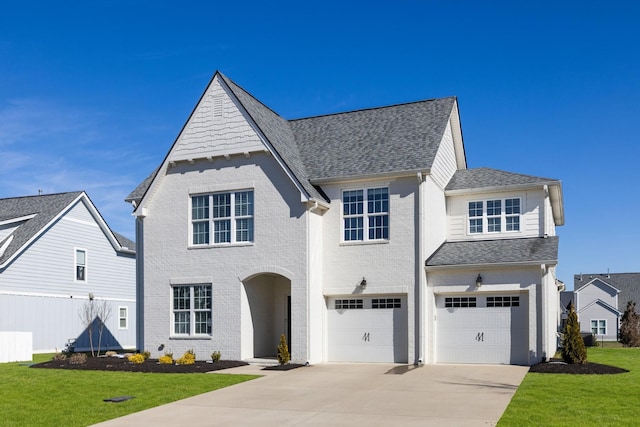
{"points": [[93, 94]]}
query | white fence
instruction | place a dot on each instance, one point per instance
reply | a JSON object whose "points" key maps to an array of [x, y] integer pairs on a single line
{"points": [[16, 346]]}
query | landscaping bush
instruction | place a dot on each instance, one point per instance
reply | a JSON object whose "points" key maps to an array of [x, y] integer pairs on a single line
{"points": [[136, 358], [188, 358], [215, 356], [146, 354], [165, 360], [283, 351], [78, 359], [59, 356], [630, 326], [573, 349]]}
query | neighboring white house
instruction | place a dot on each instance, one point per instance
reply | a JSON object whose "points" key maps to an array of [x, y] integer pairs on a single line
{"points": [[600, 301], [362, 236], [55, 250]]}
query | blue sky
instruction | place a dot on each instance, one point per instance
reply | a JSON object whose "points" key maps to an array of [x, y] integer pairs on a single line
{"points": [[93, 94]]}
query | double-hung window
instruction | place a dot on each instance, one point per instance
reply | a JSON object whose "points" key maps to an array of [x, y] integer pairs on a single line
{"points": [[191, 306], [123, 317], [365, 214], [222, 218], [81, 265], [498, 215], [599, 327]]}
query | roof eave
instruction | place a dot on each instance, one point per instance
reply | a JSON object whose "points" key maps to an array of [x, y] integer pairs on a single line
{"points": [[501, 188], [371, 176], [491, 264]]}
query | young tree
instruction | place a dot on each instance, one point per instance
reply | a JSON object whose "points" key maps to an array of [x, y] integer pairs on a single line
{"points": [[630, 326], [283, 351], [573, 349], [87, 315], [103, 313], [95, 314]]}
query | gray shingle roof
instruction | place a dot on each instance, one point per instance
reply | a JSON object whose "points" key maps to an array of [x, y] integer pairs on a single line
{"points": [[45, 208], [627, 283], [535, 250], [392, 139], [477, 178]]}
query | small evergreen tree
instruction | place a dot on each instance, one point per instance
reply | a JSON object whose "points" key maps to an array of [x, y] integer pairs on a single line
{"points": [[573, 349], [283, 351], [630, 326]]}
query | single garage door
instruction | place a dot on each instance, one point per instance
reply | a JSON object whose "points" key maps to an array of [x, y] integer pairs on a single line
{"points": [[367, 329], [482, 329]]}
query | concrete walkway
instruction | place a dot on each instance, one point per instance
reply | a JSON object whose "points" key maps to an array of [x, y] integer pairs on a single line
{"points": [[347, 395]]}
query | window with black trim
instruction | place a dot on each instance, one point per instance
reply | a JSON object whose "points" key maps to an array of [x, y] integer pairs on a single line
{"points": [[503, 301], [465, 302], [341, 304]]}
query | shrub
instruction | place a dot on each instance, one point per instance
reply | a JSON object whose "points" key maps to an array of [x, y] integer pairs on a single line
{"points": [[59, 356], [146, 354], [188, 358], [169, 354], [136, 358], [283, 351], [630, 326], [215, 356], [573, 350], [78, 359], [165, 360]]}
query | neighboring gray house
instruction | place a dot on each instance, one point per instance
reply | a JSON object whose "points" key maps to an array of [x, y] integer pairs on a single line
{"points": [[55, 250], [600, 301], [362, 236]]}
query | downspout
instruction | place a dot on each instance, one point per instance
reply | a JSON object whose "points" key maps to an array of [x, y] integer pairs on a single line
{"points": [[140, 283], [545, 321], [308, 280], [419, 306]]}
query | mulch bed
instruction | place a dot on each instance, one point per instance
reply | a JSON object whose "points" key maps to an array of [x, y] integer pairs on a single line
{"points": [[556, 366], [151, 365], [286, 367]]}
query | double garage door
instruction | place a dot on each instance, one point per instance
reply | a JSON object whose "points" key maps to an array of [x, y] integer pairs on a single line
{"points": [[490, 329], [367, 329]]}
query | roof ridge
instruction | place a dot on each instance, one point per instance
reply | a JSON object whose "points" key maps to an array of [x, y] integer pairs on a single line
{"points": [[228, 80], [42, 195], [381, 107]]}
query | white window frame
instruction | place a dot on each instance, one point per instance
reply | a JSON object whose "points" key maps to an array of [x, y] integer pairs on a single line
{"points": [[598, 326], [488, 209], [191, 311], [76, 264], [125, 318], [373, 210], [227, 225]]}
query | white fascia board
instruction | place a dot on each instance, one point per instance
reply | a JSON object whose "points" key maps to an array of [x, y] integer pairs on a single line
{"points": [[557, 205], [491, 265], [17, 219], [371, 177], [458, 142], [500, 188], [589, 283], [102, 224]]}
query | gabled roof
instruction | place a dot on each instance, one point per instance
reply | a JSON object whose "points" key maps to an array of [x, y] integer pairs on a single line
{"points": [[40, 212], [601, 282], [627, 283], [487, 179], [536, 250], [396, 139], [388, 140], [602, 304]]}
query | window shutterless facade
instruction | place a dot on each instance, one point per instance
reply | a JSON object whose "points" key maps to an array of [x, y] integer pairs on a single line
{"points": [[191, 309], [599, 327], [222, 218], [80, 265], [494, 216], [123, 317], [365, 214]]}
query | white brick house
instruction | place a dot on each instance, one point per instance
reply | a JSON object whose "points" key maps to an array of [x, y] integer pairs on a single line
{"points": [[360, 236]]}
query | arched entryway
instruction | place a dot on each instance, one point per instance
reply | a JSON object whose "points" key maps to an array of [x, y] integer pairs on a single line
{"points": [[266, 313]]}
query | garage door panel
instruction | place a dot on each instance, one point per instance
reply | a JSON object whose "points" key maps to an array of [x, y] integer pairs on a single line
{"points": [[366, 334], [482, 334]]}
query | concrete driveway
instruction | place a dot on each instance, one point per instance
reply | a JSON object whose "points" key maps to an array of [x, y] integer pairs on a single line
{"points": [[347, 395]]}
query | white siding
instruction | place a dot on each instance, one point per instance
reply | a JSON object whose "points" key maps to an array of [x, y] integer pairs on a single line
{"points": [[216, 128], [444, 164], [531, 218], [280, 245]]}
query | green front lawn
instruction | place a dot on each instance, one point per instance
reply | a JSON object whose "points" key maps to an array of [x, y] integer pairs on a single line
{"points": [[30, 397], [584, 400]]}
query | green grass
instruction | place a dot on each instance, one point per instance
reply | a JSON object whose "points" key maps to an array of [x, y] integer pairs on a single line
{"points": [[585, 400], [53, 397]]}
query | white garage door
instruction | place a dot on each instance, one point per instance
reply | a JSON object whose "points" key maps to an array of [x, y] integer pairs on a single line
{"points": [[482, 329], [367, 329]]}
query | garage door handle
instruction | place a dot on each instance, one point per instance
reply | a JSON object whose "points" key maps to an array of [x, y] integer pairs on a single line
{"points": [[365, 337], [480, 337]]}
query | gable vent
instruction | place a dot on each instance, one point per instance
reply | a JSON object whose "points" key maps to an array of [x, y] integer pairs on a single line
{"points": [[217, 106]]}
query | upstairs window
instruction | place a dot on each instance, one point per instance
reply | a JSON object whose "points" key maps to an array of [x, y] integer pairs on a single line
{"points": [[365, 221], [81, 265], [498, 214], [222, 218]]}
